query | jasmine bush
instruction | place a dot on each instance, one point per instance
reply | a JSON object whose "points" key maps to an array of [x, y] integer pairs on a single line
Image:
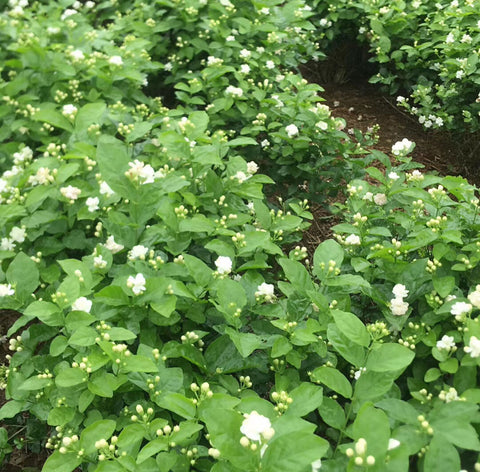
{"points": [[426, 51], [170, 320]]}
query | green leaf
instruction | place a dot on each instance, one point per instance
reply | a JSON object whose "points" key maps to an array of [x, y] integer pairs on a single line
{"points": [[332, 413], [443, 285], [457, 431], [296, 452], [328, 250], [281, 347], [62, 462], [89, 114], [349, 350], [102, 429], [10, 409], [46, 312], [54, 118], [333, 379], [246, 343], [441, 456], [243, 141], [200, 272], [297, 275], [83, 336], [305, 398], [373, 425], [399, 410], [70, 377], [197, 224], [23, 274], [60, 416], [389, 357], [151, 448], [179, 404], [138, 364], [352, 327]]}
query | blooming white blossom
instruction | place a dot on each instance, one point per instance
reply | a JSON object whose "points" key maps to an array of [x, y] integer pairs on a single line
{"points": [[105, 189], [138, 252], [77, 55], [115, 61], [42, 177], [69, 110], [6, 290], [393, 176], [450, 39], [291, 130], [68, 12], [252, 167], [398, 306], [265, 290], [234, 91], [70, 192], [137, 284], [223, 264], [244, 69], [400, 291], [82, 304], [18, 234], [316, 465], [140, 171], [270, 65], [254, 426], [245, 53], [473, 347], [265, 143], [460, 308], [368, 196], [99, 262], [380, 199], [168, 66], [112, 246], [241, 176], [25, 154], [393, 443], [402, 147], [400, 99], [447, 343], [474, 297], [353, 240], [92, 204], [7, 244]]}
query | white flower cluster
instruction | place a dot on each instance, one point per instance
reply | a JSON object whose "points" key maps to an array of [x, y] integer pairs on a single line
{"points": [[140, 172], [473, 347], [256, 427], [403, 147], [137, 284], [234, 91], [460, 309], [266, 292], [397, 305], [224, 265]]}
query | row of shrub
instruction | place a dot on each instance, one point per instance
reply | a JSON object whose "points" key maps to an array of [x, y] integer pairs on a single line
{"points": [[170, 320], [426, 52]]}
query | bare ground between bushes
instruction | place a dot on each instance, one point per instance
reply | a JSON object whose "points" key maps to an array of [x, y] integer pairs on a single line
{"points": [[362, 106]]}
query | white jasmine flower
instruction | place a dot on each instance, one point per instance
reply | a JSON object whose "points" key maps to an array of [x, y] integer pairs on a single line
{"points": [[398, 306], [265, 143], [112, 246], [138, 252], [252, 167], [116, 61], [244, 69], [18, 234], [368, 196], [459, 74], [450, 39], [230, 38], [359, 372], [139, 171], [105, 189], [291, 130], [89, 4], [70, 192], [400, 291], [254, 426], [264, 11], [460, 308], [92, 204], [77, 55], [473, 347], [265, 290], [52, 30], [6, 290], [168, 66], [68, 12], [400, 99], [321, 125], [23, 155], [7, 244], [223, 264], [42, 177], [234, 91], [393, 176], [447, 343], [270, 65], [402, 147], [69, 110], [245, 53], [316, 465], [137, 284], [82, 304], [474, 298], [393, 443], [380, 199], [241, 176], [353, 240], [99, 262]]}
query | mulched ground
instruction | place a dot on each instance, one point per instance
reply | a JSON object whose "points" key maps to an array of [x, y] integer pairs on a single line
{"points": [[362, 106]]}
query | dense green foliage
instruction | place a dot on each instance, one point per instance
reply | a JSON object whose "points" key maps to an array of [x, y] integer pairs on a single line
{"points": [[170, 318]]}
